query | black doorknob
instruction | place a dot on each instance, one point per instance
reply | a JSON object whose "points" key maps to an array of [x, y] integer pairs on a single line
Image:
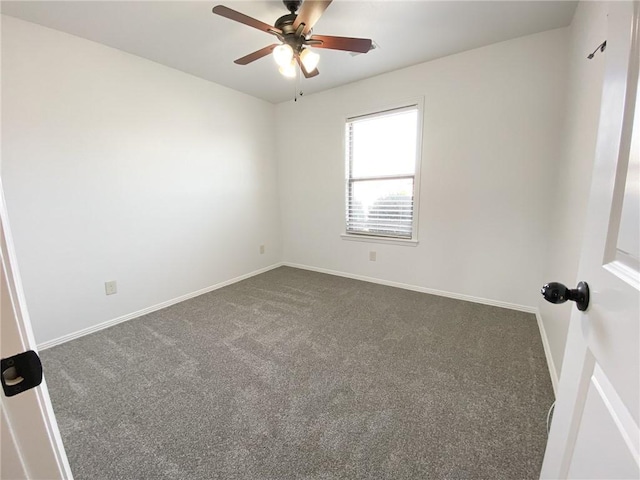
{"points": [[555, 292]]}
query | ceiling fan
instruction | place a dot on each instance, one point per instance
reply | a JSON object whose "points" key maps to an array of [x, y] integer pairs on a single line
{"points": [[295, 34]]}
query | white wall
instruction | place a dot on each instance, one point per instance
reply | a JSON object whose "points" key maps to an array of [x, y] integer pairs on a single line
{"points": [[491, 145], [118, 168], [588, 30]]}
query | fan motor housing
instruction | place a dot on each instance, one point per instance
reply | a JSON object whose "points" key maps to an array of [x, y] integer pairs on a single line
{"points": [[285, 23]]}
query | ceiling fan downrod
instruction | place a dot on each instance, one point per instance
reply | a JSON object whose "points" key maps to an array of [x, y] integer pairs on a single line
{"points": [[292, 5]]}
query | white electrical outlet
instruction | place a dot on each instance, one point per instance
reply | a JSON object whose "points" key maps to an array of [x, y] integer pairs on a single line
{"points": [[372, 256], [110, 287], [261, 249]]}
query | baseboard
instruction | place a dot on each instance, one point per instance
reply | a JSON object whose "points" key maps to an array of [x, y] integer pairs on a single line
{"points": [[144, 311], [415, 288], [553, 372]]}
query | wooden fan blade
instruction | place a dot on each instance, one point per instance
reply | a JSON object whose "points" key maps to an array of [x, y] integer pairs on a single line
{"points": [[306, 74], [263, 52], [361, 45], [309, 14], [242, 18]]}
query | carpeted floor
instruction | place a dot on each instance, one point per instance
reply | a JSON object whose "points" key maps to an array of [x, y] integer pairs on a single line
{"points": [[295, 374]]}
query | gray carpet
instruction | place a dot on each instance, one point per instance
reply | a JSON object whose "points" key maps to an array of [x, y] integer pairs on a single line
{"points": [[295, 374]]}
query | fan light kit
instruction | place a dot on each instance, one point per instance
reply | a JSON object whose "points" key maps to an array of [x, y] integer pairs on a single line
{"points": [[294, 32], [284, 57]]}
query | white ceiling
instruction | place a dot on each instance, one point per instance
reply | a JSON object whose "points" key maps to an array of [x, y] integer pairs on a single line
{"points": [[185, 34]]}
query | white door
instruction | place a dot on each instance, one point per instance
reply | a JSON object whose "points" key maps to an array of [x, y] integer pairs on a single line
{"points": [[31, 445], [594, 433]]}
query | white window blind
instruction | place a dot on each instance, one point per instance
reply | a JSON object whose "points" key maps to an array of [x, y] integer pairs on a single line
{"points": [[381, 156]]}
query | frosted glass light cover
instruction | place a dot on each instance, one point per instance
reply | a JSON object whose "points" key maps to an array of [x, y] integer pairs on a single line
{"points": [[309, 59], [283, 54], [289, 70]]}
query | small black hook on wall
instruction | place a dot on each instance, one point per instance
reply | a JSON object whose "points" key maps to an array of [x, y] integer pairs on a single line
{"points": [[600, 47]]}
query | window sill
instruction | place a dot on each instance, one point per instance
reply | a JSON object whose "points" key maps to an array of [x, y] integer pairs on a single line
{"points": [[372, 239]]}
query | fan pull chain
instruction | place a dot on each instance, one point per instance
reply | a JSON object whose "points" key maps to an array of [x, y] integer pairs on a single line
{"points": [[297, 88]]}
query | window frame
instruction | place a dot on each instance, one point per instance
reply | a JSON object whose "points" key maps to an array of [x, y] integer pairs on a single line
{"points": [[418, 104]]}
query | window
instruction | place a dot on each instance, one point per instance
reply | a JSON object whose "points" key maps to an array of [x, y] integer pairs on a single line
{"points": [[382, 152]]}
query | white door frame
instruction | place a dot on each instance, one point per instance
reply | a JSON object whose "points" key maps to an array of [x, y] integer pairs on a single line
{"points": [[28, 417]]}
